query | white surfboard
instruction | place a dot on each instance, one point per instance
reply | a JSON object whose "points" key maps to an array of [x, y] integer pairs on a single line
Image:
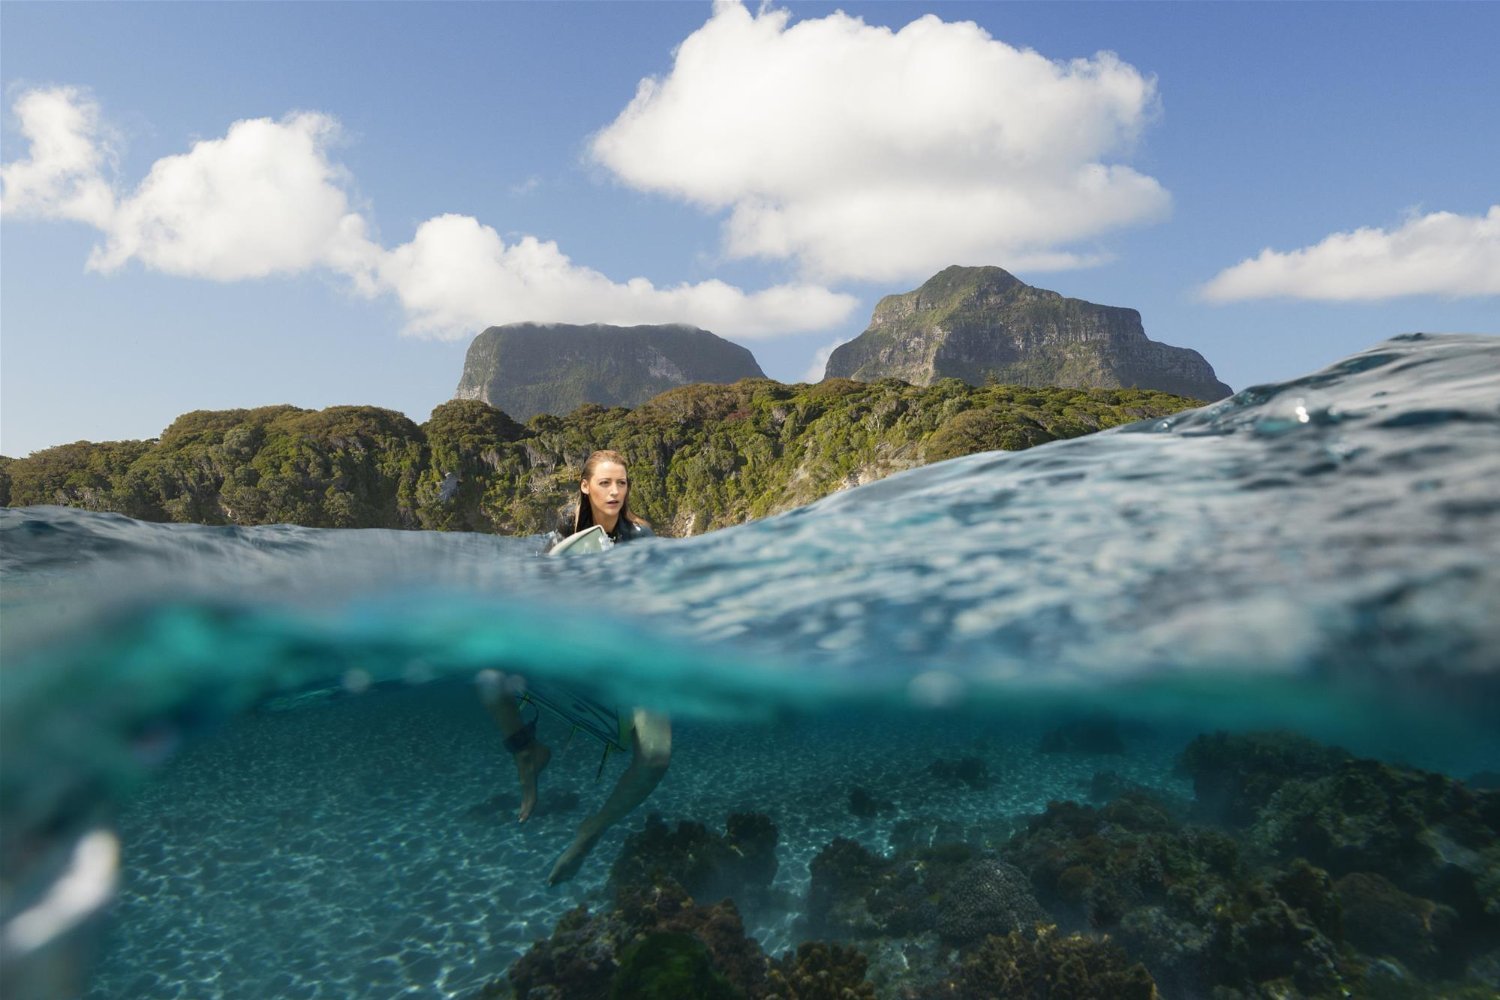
{"points": [[590, 539]]}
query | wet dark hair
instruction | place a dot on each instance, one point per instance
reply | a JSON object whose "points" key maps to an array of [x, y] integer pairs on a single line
{"points": [[584, 517]]}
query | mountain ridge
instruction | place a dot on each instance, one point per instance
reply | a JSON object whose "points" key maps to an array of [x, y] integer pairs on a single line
{"points": [[984, 325], [531, 368]]}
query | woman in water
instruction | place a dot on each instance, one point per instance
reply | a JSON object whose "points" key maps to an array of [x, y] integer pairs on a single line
{"points": [[604, 500]]}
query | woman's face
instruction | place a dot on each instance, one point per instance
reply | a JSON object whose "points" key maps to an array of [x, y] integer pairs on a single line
{"points": [[606, 490]]}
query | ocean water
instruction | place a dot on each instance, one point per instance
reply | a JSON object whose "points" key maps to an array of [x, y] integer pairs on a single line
{"points": [[251, 762]]}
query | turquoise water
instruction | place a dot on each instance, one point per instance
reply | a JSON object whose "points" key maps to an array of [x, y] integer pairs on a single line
{"points": [[278, 726]]}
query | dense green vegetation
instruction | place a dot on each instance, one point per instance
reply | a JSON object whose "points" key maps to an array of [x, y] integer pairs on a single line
{"points": [[702, 456]]}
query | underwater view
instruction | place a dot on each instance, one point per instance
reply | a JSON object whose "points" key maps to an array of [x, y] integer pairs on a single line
{"points": [[1200, 707]]}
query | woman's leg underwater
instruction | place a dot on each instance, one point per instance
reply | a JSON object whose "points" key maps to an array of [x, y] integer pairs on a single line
{"points": [[529, 753], [651, 752]]}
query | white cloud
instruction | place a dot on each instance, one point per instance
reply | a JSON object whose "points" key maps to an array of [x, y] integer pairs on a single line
{"points": [[62, 178], [457, 275], [872, 154], [263, 200], [266, 199], [1437, 254], [526, 187], [818, 367]]}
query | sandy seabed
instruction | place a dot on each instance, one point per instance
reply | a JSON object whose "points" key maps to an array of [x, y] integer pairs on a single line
{"points": [[367, 846]]}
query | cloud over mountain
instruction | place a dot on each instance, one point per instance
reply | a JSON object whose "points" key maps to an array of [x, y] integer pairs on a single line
{"points": [[457, 274], [867, 153], [1436, 254], [266, 199]]}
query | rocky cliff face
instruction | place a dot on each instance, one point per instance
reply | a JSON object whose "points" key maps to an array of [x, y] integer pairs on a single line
{"points": [[982, 324], [530, 368]]}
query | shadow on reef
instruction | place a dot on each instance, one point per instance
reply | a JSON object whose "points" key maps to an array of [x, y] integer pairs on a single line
{"points": [[1298, 872]]}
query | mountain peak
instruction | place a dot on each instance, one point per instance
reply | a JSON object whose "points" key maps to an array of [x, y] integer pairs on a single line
{"points": [[983, 324], [530, 368]]}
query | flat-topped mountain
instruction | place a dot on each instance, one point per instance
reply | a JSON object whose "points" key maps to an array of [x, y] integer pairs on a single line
{"points": [[530, 368], [984, 325]]}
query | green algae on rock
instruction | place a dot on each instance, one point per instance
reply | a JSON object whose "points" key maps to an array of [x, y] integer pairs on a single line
{"points": [[657, 942], [1047, 965]]}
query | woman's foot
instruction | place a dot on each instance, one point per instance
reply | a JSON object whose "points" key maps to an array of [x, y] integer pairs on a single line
{"points": [[572, 859], [529, 764]]}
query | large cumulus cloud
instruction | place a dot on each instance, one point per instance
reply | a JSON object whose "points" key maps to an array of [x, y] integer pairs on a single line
{"points": [[866, 153]]}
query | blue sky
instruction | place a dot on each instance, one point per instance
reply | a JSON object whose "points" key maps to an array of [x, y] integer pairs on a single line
{"points": [[228, 205]]}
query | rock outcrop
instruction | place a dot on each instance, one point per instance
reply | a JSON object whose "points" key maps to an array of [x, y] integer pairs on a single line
{"points": [[530, 368], [984, 325]]}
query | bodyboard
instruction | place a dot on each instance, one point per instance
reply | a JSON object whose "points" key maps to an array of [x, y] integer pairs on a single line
{"points": [[590, 539]]}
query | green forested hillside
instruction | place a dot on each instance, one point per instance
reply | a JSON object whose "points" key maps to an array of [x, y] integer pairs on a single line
{"points": [[702, 456]]}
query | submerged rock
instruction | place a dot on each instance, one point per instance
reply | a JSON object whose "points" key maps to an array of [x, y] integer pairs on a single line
{"points": [[986, 897], [1379, 919], [740, 863], [1051, 966], [658, 943], [1425, 832], [855, 893], [670, 966], [951, 889], [1182, 899], [1335, 878], [1429, 834], [819, 971], [1234, 776]]}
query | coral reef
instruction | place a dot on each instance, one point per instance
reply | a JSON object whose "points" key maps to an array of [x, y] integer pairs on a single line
{"points": [[1380, 919], [656, 939], [741, 863], [669, 966], [1425, 832], [1049, 966], [985, 897], [818, 971], [657, 944], [1415, 855], [578, 960], [1180, 898], [856, 893], [1234, 776], [1429, 834], [1330, 877]]}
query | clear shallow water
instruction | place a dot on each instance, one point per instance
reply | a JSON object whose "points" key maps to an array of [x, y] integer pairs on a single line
{"points": [[1320, 554]]}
